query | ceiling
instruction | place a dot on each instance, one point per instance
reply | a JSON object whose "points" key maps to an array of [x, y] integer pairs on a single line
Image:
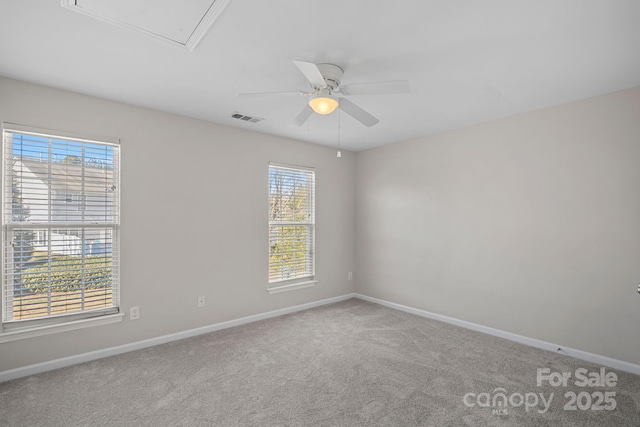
{"points": [[467, 61]]}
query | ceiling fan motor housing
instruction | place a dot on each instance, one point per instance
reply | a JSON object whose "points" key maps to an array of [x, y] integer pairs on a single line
{"points": [[332, 75]]}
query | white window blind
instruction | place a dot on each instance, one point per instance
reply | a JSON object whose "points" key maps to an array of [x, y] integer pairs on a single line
{"points": [[60, 227], [291, 223]]}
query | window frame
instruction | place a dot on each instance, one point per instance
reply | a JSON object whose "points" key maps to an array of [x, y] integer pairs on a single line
{"points": [[309, 278], [53, 323]]}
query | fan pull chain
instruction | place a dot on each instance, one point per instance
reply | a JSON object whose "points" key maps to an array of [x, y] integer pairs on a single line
{"points": [[339, 153]]}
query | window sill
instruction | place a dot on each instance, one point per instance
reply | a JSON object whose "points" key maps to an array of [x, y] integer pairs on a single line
{"points": [[292, 286], [61, 327]]}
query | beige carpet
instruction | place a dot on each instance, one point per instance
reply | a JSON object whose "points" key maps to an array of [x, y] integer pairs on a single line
{"points": [[348, 364]]}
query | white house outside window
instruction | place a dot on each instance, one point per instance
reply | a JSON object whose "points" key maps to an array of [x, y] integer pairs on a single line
{"points": [[61, 214], [291, 224]]}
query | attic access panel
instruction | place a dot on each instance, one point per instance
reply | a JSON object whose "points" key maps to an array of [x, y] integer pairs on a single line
{"points": [[177, 21]]}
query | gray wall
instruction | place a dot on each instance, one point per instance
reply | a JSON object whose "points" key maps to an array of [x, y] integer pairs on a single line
{"points": [[194, 218], [529, 224]]}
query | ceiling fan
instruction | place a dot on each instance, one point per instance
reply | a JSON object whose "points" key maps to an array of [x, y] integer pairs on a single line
{"points": [[327, 94]]}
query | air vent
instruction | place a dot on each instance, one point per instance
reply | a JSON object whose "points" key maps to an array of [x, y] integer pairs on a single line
{"points": [[182, 23], [246, 118]]}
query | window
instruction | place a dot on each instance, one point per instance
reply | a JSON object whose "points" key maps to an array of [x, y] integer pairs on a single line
{"points": [[60, 231], [76, 200], [291, 224]]}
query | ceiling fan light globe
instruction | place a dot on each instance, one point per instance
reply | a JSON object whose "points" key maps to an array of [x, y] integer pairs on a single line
{"points": [[323, 104]]}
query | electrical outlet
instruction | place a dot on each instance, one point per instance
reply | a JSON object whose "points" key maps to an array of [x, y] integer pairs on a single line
{"points": [[201, 301], [350, 275], [134, 313]]}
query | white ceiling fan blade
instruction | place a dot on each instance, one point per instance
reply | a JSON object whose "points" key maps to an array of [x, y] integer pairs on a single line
{"points": [[312, 73], [302, 117], [254, 94], [377, 88], [357, 113]]}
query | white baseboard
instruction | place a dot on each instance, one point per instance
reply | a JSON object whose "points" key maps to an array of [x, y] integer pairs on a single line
{"points": [[112, 351], [99, 354], [532, 342]]}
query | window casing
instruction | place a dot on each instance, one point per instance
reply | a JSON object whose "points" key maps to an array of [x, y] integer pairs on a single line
{"points": [[291, 224], [60, 228]]}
